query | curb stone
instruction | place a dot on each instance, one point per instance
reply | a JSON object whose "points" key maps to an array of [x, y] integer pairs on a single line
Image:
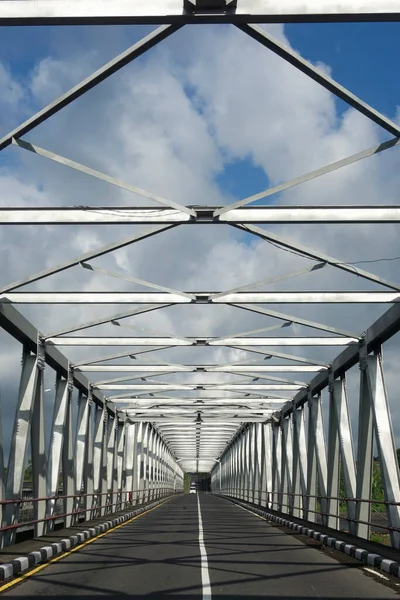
{"points": [[374, 560], [24, 563]]}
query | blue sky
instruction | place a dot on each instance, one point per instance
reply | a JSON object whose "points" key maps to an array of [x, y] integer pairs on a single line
{"points": [[361, 55]]}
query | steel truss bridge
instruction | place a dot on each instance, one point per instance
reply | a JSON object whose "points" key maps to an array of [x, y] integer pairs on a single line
{"points": [[255, 424]]}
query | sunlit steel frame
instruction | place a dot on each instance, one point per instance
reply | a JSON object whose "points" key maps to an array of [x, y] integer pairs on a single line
{"points": [[133, 454]]}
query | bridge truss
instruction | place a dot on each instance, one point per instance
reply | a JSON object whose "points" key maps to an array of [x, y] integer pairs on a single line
{"points": [[140, 430]]}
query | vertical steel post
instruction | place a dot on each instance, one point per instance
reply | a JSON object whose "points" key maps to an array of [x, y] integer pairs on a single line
{"points": [[19, 441], [262, 499], [287, 466], [80, 450], [88, 459], [97, 458], [346, 451], [250, 463], [104, 464], [310, 512], [236, 479], [111, 443], [38, 444], [145, 454], [299, 463], [365, 450], [268, 465], [333, 519], [119, 455], [129, 461], [56, 445], [385, 443], [243, 466], [276, 467], [256, 478], [68, 468], [140, 464], [150, 462], [320, 454]]}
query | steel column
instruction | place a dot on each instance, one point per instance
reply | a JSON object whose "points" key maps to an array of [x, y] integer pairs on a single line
{"points": [[385, 443]]}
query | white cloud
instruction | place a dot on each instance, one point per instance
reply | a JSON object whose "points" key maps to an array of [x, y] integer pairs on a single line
{"points": [[12, 92], [169, 124]]}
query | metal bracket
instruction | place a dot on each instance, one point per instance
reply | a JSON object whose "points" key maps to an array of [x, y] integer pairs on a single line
{"points": [[194, 7], [331, 381], [41, 354], [363, 354], [70, 379]]}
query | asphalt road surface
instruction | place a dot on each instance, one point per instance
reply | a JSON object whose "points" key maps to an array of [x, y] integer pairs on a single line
{"points": [[233, 555]]}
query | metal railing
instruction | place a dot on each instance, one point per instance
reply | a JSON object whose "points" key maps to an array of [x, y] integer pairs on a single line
{"points": [[274, 501], [25, 506]]}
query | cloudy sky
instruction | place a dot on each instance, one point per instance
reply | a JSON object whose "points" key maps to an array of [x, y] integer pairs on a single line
{"points": [[206, 118]]}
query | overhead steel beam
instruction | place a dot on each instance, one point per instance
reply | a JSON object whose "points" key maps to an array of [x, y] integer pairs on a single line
{"points": [[237, 341], [142, 235], [105, 215], [91, 215], [102, 176], [250, 287], [23, 10], [308, 215], [141, 12], [298, 320], [316, 255], [225, 213], [268, 368], [291, 357], [223, 400], [379, 332], [22, 330], [201, 297], [193, 386], [141, 368], [199, 405], [156, 286], [117, 341], [104, 320], [108, 357], [200, 368], [206, 420], [284, 341], [261, 36]]}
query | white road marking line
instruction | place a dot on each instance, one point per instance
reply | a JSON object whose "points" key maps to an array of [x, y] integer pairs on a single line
{"points": [[205, 575], [376, 573]]}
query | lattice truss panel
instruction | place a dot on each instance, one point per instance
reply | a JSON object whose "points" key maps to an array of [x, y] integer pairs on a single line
{"points": [[227, 392]]}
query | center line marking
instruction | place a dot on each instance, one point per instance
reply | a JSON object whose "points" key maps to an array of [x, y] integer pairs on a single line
{"points": [[205, 575]]}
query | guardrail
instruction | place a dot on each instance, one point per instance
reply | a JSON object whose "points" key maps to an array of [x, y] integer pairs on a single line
{"points": [[274, 501], [114, 502]]}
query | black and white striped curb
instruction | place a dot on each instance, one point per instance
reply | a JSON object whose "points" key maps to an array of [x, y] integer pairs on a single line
{"points": [[374, 560], [24, 563]]}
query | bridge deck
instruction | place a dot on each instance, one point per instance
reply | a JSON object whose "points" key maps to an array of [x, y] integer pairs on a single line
{"points": [[158, 556]]}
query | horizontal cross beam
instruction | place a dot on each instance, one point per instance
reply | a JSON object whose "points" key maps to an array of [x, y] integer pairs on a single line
{"points": [[200, 298], [99, 215], [247, 341], [201, 368], [145, 12]]}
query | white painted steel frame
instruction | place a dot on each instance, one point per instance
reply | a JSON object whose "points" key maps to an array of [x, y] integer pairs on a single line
{"points": [[123, 457], [48, 12]]}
